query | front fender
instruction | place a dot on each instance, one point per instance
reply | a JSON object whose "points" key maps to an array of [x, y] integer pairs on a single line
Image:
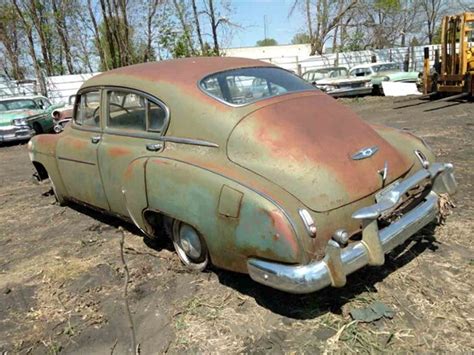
{"points": [[42, 150], [235, 221]]}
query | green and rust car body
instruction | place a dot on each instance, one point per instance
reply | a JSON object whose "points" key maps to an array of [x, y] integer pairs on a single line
{"points": [[293, 189]]}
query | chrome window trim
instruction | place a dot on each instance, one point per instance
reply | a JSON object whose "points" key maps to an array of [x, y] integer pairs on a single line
{"points": [[312, 88], [78, 126], [149, 97]]}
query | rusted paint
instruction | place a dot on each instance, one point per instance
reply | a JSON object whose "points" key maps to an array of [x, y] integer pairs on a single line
{"points": [[282, 228], [118, 151], [327, 134]]}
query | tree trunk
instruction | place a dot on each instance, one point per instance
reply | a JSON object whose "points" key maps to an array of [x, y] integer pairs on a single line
{"points": [[182, 20], [31, 48], [214, 25], [198, 27], [98, 42], [108, 35], [37, 22], [63, 35]]}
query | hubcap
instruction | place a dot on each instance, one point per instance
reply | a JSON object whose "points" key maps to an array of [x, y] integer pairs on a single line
{"points": [[189, 246], [190, 242]]}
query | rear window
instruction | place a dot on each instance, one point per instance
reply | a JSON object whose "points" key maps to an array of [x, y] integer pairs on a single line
{"points": [[246, 85]]}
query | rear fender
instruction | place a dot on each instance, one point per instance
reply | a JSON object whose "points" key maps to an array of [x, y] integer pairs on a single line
{"points": [[235, 221]]}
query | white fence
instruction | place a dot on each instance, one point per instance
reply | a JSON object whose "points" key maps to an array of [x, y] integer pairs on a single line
{"points": [[414, 55], [61, 87]]}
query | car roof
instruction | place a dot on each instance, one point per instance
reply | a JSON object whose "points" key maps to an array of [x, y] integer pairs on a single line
{"points": [[368, 65], [181, 72], [9, 98], [327, 68]]}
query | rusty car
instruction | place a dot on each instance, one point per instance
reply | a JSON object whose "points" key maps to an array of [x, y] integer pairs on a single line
{"points": [[286, 184]]}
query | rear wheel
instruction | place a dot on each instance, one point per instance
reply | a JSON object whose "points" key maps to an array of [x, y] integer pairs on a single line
{"points": [[189, 245]]}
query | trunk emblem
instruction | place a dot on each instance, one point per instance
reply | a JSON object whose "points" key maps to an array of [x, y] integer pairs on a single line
{"points": [[365, 153]]}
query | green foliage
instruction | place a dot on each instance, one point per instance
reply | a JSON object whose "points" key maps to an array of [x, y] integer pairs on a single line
{"points": [[387, 5], [354, 42], [301, 38], [181, 48], [437, 36], [267, 42]]}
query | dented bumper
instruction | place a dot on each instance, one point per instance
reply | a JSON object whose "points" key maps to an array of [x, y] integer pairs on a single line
{"points": [[340, 262]]}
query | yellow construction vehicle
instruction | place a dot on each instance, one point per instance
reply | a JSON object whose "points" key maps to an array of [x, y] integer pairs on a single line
{"points": [[453, 71]]}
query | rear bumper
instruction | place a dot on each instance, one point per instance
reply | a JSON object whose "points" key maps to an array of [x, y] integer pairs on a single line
{"points": [[16, 133], [340, 262]]}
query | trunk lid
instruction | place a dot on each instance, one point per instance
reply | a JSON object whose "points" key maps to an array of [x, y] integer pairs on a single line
{"points": [[305, 145]]}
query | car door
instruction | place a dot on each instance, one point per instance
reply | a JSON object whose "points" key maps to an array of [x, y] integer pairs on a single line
{"points": [[77, 149], [134, 124], [45, 119]]}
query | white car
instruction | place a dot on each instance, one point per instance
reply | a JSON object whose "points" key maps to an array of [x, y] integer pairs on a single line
{"points": [[337, 82]]}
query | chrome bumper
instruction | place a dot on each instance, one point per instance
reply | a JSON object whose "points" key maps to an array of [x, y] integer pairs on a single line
{"points": [[340, 262], [15, 133]]}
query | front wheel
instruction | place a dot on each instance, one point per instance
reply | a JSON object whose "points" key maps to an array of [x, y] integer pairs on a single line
{"points": [[60, 200], [37, 127], [190, 246]]}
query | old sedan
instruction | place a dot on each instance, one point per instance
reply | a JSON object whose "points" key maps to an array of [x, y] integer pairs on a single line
{"points": [[285, 184], [337, 82]]}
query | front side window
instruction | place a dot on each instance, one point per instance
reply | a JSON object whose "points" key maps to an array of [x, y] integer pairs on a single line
{"points": [[88, 109], [246, 85], [132, 111], [385, 67]]}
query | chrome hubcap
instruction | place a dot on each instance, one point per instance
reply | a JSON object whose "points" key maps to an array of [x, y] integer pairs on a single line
{"points": [[190, 242], [189, 246]]}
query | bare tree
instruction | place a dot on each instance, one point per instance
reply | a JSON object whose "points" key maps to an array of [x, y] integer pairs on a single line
{"points": [[28, 28], [59, 11], [184, 25], [198, 26], [9, 37], [432, 10], [326, 18]]}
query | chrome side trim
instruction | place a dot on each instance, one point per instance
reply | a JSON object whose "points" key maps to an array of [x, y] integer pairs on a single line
{"points": [[340, 262], [188, 141]]}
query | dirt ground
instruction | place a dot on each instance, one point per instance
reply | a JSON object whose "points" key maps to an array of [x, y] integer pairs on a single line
{"points": [[62, 280]]}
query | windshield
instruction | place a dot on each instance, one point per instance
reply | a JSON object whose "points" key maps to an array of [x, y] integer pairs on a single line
{"points": [[330, 73], [246, 85], [17, 105], [386, 67]]}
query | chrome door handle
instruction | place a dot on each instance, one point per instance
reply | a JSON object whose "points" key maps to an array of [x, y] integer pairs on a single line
{"points": [[95, 139], [154, 147]]}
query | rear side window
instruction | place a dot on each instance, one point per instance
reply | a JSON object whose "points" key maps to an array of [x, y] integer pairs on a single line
{"points": [[88, 109], [133, 111], [246, 85]]}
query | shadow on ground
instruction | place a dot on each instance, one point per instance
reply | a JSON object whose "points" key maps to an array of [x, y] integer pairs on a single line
{"points": [[330, 299], [297, 306]]}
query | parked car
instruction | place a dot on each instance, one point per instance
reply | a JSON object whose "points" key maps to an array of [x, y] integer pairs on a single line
{"points": [[292, 188], [63, 115], [387, 71], [337, 82], [23, 116]]}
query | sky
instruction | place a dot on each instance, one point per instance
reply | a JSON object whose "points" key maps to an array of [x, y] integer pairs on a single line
{"points": [[250, 16]]}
